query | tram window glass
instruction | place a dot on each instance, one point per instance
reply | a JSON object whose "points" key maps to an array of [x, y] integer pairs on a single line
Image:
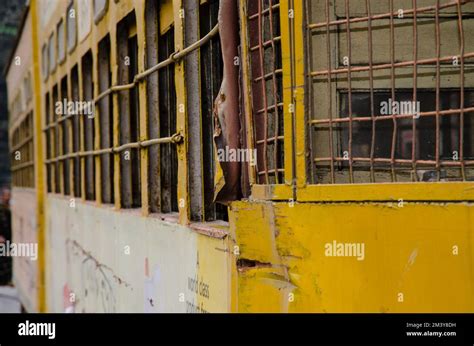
{"points": [[55, 140], [61, 30], [386, 101], [167, 111], [100, 8], [106, 121], [71, 27], [45, 61], [267, 88], [22, 155], [52, 53], [152, 30], [129, 113], [88, 125], [211, 78], [64, 136], [49, 156], [76, 133]]}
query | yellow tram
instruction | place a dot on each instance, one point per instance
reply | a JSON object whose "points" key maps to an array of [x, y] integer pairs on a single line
{"points": [[244, 156]]}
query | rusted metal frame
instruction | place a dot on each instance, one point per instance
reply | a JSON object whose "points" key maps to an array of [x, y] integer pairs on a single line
{"points": [[329, 82], [264, 91], [371, 87], [309, 92], [193, 98], [275, 99], [271, 139], [447, 112], [246, 86], [401, 161], [461, 91], [387, 15], [415, 90], [392, 83], [269, 108], [349, 90], [438, 83], [265, 44], [268, 75], [411, 63], [174, 57], [271, 8]]}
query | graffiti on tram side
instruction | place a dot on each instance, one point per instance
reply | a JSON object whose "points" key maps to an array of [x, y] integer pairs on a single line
{"points": [[97, 290]]}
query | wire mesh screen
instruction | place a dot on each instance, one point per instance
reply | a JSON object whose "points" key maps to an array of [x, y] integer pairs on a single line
{"points": [[267, 94], [390, 90]]}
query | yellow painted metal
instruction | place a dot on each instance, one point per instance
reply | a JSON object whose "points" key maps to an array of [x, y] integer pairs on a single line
{"points": [[142, 90], [39, 167], [181, 116], [288, 101], [417, 257], [438, 191], [247, 85]]}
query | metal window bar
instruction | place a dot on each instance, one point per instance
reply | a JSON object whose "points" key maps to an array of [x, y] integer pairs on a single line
{"points": [[175, 138], [267, 89], [23, 144], [89, 128], [106, 121], [167, 120], [76, 133], [65, 141], [436, 118], [211, 78]]}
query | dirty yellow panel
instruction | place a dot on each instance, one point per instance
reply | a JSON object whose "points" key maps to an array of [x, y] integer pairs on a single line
{"points": [[408, 263]]}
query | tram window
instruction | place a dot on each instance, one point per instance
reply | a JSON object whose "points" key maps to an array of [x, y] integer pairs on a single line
{"points": [[45, 61], [100, 8], [167, 97], [211, 78], [61, 30], [55, 140], [65, 164], [384, 106], [154, 181], [71, 28], [129, 112], [88, 125], [76, 139], [48, 141], [267, 88], [106, 122], [52, 53]]}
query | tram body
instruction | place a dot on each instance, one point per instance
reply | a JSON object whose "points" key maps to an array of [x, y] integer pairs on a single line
{"points": [[340, 212]]}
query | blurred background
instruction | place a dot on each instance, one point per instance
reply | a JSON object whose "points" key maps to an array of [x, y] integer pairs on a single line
{"points": [[10, 15]]}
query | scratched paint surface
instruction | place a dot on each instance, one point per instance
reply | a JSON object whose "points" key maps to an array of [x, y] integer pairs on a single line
{"points": [[25, 271], [123, 262], [408, 251]]}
